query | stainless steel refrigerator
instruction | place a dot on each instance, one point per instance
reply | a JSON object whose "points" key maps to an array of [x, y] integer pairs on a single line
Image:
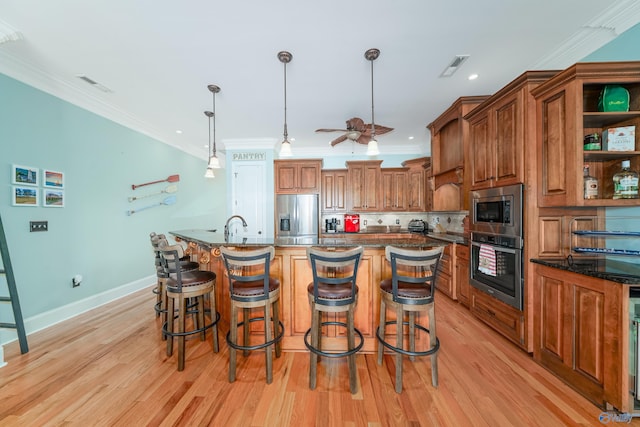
{"points": [[297, 215]]}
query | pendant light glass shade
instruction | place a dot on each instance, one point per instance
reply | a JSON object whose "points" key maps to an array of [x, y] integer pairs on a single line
{"points": [[214, 162], [372, 148], [285, 148]]}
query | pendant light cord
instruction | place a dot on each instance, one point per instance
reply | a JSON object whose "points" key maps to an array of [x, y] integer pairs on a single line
{"points": [[373, 121], [285, 102]]}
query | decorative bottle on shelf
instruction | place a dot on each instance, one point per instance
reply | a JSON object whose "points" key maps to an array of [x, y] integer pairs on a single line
{"points": [[590, 184], [625, 182]]}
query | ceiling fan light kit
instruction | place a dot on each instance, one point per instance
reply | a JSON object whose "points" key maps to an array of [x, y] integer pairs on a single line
{"points": [[285, 148], [214, 162]]}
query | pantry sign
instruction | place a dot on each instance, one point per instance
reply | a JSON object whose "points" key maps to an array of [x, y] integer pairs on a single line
{"points": [[239, 157]]}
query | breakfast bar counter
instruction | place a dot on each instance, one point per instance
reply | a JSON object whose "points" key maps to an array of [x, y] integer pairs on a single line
{"points": [[291, 267]]}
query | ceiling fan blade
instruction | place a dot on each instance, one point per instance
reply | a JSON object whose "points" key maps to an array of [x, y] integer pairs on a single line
{"points": [[338, 140], [381, 130], [356, 123], [332, 130], [364, 139]]}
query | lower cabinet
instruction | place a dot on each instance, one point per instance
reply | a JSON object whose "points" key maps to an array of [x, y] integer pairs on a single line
{"points": [[498, 315], [462, 275], [445, 282], [581, 333]]}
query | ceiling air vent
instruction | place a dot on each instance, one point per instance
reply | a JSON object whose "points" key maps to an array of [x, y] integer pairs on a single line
{"points": [[94, 83], [456, 63]]}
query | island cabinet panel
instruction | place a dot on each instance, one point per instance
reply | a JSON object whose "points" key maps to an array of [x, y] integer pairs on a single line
{"points": [[297, 176], [581, 333], [463, 290], [445, 281], [334, 190]]}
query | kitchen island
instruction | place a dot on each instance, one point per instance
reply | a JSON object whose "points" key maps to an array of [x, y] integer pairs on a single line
{"points": [[292, 268]]}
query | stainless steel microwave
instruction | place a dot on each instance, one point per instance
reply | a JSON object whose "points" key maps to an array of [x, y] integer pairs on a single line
{"points": [[497, 210]]}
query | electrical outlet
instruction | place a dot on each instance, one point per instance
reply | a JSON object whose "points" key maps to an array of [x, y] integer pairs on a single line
{"points": [[397, 221], [38, 226]]}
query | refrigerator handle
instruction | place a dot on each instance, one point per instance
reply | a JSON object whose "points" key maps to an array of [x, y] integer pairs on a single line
{"points": [[296, 216]]}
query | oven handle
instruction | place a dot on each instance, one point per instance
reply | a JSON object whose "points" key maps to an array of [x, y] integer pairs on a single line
{"points": [[497, 248]]}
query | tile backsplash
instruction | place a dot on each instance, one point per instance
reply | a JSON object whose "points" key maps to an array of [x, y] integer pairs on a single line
{"points": [[438, 221]]}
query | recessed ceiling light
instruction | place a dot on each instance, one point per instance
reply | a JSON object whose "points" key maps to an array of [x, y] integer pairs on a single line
{"points": [[473, 76], [410, 137], [178, 131]]}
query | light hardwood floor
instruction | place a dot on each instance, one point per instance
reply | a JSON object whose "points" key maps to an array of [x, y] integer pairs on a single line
{"points": [[108, 367]]}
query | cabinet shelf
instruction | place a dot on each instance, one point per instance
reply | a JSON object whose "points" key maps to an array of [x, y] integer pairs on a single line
{"points": [[599, 156], [600, 119], [607, 251], [606, 233]]}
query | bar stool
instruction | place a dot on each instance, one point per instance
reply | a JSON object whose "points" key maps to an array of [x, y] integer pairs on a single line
{"points": [[410, 289], [187, 291], [333, 290], [251, 287], [160, 290]]}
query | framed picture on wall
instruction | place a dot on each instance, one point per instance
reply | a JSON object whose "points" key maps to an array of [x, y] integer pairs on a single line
{"points": [[25, 196], [52, 179], [52, 198], [24, 175]]}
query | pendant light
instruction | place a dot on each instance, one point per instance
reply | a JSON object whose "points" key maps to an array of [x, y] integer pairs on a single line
{"points": [[214, 162], [285, 148], [372, 146]]}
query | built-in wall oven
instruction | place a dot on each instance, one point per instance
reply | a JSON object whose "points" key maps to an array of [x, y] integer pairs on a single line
{"points": [[496, 265]]}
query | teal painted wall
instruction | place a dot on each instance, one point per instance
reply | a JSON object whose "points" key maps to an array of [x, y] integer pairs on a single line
{"points": [[91, 235]]}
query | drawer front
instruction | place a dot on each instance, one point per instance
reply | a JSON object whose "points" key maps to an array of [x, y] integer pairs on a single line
{"points": [[501, 317], [462, 251]]}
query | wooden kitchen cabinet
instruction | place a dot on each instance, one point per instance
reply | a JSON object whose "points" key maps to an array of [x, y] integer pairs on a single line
{"points": [[445, 281], [502, 134], [507, 320], [417, 183], [581, 333], [297, 176], [394, 189], [567, 111], [364, 185], [450, 135], [333, 192], [462, 274]]}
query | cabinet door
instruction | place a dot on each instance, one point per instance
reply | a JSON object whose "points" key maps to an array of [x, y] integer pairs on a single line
{"points": [[444, 281], [364, 185], [415, 190], [553, 185], [462, 274], [371, 187], [334, 191], [394, 190], [308, 177], [509, 134], [286, 178], [481, 158]]}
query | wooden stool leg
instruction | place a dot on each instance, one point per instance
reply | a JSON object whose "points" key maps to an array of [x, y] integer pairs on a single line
{"points": [[182, 304], [233, 337], [170, 307], [313, 361], [246, 314], [162, 293], [201, 318], [412, 333], [433, 340], [381, 327], [212, 305], [268, 350], [353, 381], [276, 325], [399, 344]]}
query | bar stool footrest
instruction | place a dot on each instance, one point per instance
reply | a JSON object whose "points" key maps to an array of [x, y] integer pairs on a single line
{"points": [[428, 352], [276, 339], [190, 332], [334, 354]]}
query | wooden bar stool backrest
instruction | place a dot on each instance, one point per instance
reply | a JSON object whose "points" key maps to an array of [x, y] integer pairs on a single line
{"points": [[245, 266], [414, 268], [334, 268]]}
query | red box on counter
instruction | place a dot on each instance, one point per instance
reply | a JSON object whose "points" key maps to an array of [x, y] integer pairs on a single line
{"points": [[351, 223]]}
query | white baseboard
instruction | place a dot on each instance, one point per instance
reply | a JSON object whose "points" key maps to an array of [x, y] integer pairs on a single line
{"points": [[44, 320]]}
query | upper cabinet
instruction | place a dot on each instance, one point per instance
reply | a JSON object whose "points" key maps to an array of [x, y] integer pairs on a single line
{"points": [[394, 189], [567, 107], [417, 177], [297, 176], [364, 185], [502, 134], [334, 190], [449, 143]]}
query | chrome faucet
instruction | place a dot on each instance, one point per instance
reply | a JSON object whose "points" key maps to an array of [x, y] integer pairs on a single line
{"points": [[226, 226]]}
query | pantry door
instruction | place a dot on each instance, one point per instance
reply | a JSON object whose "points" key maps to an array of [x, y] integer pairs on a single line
{"points": [[248, 198]]}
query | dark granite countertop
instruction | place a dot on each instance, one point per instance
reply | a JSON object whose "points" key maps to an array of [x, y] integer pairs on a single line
{"points": [[214, 239], [602, 268]]}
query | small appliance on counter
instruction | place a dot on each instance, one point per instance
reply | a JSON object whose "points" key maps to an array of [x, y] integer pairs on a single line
{"points": [[417, 226], [330, 225], [351, 223]]}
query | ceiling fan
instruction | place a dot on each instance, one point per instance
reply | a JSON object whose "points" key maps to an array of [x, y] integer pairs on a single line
{"points": [[356, 131]]}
